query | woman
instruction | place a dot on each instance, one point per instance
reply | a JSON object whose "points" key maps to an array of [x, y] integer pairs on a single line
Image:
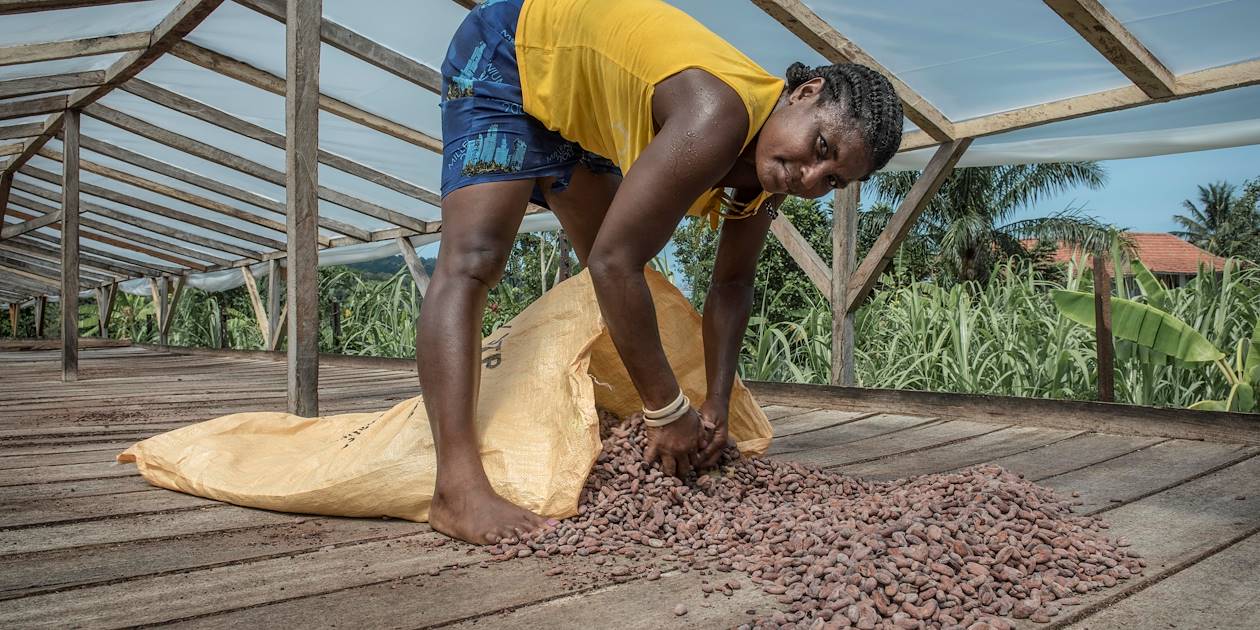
{"points": [[536, 94]]}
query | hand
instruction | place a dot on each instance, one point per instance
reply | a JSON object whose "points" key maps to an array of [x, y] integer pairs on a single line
{"points": [[676, 445], [713, 415]]}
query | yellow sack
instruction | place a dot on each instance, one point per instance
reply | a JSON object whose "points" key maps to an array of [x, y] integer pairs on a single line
{"points": [[542, 378]]}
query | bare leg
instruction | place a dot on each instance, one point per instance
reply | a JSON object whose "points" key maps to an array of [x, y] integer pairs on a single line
{"points": [[582, 205], [479, 223]]}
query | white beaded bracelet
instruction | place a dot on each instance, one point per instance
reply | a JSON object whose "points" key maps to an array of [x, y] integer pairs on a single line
{"points": [[669, 413]]}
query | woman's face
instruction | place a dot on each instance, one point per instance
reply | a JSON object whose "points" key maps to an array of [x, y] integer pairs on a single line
{"points": [[808, 149]]}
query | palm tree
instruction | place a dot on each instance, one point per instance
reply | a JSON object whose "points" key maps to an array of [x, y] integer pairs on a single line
{"points": [[1213, 226], [969, 219]]}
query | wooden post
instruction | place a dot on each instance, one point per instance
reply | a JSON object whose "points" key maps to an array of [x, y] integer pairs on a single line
{"points": [[843, 260], [168, 313], [162, 308], [223, 332], [13, 319], [419, 276], [301, 180], [255, 300], [41, 303], [274, 278], [6, 184], [565, 270], [70, 247], [1102, 328], [920, 195], [277, 335], [105, 297], [336, 325]]}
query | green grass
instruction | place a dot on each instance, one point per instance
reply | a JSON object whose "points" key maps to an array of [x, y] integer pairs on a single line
{"points": [[1004, 337]]}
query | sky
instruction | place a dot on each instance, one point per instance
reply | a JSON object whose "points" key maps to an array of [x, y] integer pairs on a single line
{"points": [[1143, 194]]}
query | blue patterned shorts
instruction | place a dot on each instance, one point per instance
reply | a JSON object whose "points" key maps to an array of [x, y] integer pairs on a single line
{"points": [[486, 134]]}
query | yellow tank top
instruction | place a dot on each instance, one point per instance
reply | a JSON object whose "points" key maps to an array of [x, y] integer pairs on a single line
{"points": [[589, 68]]}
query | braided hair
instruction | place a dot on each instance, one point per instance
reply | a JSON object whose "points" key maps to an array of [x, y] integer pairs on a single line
{"points": [[864, 95]]}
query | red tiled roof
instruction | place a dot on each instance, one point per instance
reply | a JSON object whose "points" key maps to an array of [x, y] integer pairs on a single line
{"points": [[1159, 251]]}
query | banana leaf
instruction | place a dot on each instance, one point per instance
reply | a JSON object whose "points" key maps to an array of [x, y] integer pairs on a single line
{"points": [[1152, 288], [1210, 405], [1242, 397], [1141, 323]]}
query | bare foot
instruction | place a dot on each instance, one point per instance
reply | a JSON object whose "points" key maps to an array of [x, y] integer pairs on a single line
{"points": [[477, 515]]}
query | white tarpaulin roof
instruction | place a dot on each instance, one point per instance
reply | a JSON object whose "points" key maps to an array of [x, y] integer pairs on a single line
{"points": [[966, 62]]}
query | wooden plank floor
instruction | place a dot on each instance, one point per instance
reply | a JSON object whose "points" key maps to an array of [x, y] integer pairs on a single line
{"points": [[87, 543]]}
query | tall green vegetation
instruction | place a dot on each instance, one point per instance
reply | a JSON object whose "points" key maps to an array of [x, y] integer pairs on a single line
{"points": [[1004, 337], [1224, 221]]}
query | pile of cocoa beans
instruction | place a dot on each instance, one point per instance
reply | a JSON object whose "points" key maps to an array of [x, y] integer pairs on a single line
{"points": [[967, 550]]}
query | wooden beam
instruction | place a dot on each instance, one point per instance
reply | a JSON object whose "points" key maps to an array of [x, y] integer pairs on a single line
{"points": [[10, 231], [1228, 77], [158, 288], [105, 307], [36, 263], [255, 300], [70, 248], [35, 282], [281, 327], [800, 251], [51, 83], [189, 177], [156, 227], [360, 47], [13, 320], [186, 197], [274, 277], [1102, 330], [8, 7], [129, 238], [222, 119], [938, 169], [110, 261], [418, 275], [52, 51], [34, 268], [11, 149], [41, 306], [168, 312], [249, 167], [262, 79], [843, 260], [90, 263], [1110, 38], [6, 186], [162, 211], [32, 106], [179, 22], [24, 130], [302, 102], [822, 37]]}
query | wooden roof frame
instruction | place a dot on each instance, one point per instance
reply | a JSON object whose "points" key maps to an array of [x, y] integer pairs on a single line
{"points": [[36, 207]]}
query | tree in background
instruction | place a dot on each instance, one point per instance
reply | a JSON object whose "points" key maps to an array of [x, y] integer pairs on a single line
{"points": [[695, 248], [1247, 211], [1211, 224], [1224, 222], [969, 221]]}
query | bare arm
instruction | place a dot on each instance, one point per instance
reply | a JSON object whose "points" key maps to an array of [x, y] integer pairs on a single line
{"points": [[726, 311], [694, 148]]}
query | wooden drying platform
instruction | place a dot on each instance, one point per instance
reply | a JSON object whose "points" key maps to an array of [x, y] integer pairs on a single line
{"points": [[85, 542]]}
